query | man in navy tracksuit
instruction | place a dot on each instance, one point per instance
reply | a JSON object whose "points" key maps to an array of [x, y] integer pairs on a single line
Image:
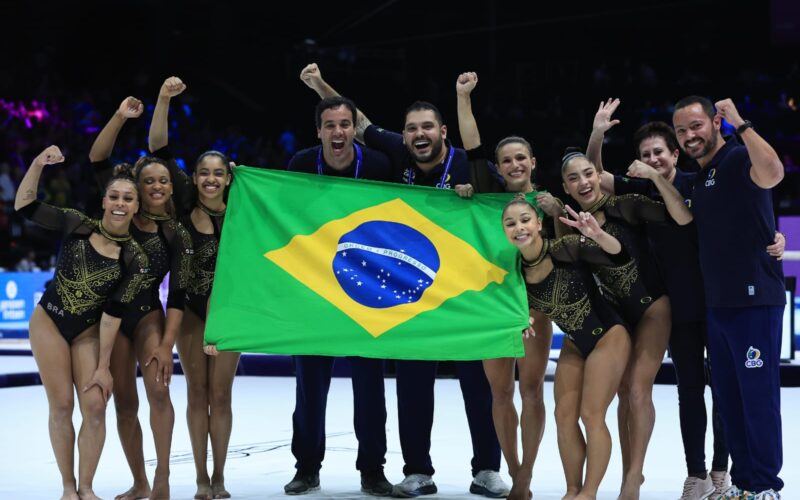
{"points": [[423, 156], [744, 286], [338, 156]]}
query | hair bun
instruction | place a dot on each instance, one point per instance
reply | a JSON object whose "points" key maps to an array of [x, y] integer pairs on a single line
{"points": [[123, 170]]}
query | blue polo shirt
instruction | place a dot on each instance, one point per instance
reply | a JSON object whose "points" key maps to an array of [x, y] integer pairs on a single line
{"points": [[374, 164], [735, 224], [405, 169], [674, 248]]}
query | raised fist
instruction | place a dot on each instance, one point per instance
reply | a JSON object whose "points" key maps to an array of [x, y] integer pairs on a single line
{"points": [[131, 107], [641, 170], [311, 75], [171, 87], [727, 110], [466, 83], [49, 156]]}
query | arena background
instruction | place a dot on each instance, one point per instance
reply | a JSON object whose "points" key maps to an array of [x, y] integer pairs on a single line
{"points": [[543, 68]]}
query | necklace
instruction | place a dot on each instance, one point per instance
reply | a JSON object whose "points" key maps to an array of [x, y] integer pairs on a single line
{"points": [[598, 204], [212, 213], [539, 258], [118, 239], [154, 217]]}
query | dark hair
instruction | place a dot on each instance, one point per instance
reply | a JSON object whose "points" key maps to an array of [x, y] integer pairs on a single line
{"points": [[704, 102], [423, 106], [520, 199], [513, 139], [570, 154], [222, 156], [123, 169], [225, 161], [123, 172], [655, 129], [145, 161], [331, 103]]}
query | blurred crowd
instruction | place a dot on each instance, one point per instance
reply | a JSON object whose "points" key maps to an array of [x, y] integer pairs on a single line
{"points": [[528, 105]]}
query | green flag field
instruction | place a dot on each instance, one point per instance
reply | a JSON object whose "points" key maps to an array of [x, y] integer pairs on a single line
{"points": [[320, 265]]}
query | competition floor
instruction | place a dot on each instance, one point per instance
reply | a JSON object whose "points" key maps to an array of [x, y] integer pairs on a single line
{"points": [[260, 460]]}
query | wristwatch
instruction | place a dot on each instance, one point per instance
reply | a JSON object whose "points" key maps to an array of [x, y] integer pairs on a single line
{"points": [[744, 126]]}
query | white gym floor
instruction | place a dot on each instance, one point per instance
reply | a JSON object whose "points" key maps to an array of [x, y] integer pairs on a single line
{"points": [[260, 460]]}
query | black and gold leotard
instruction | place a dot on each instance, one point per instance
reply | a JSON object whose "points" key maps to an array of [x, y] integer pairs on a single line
{"points": [[633, 286], [205, 245], [569, 296], [169, 250], [86, 283], [205, 261]]}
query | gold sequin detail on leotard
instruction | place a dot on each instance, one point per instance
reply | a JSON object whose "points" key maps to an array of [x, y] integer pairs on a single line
{"points": [[618, 280], [186, 261], [78, 291], [557, 293], [202, 278]]}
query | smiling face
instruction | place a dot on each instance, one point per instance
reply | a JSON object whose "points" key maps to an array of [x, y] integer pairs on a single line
{"points": [[337, 133], [515, 163], [698, 134], [521, 224], [211, 177], [120, 202], [581, 181], [424, 136], [655, 152], [155, 186]]}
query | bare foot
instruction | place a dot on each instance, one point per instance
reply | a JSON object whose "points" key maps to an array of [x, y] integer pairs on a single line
{"points": [[203, 492], [218, 488], [135, 491], [570, 495], [160, 487], [70, 494], [520, 486], [630, 488], [87, 494], [585, 496]]}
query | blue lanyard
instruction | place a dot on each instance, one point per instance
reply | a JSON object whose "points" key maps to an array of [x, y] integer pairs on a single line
{"points": [[447, 163], [359, 156]]}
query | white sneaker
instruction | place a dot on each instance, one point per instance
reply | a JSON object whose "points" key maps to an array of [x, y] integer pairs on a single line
{"points": [[762, 495], [489, 484], [732, 492], [721, 480], [415, 485], [695, 488]]}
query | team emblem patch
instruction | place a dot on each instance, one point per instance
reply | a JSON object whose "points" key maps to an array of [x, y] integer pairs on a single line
{"points": [[753, 358]]}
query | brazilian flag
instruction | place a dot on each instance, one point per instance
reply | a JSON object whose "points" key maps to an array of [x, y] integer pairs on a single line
{"points": [[320, 265]]}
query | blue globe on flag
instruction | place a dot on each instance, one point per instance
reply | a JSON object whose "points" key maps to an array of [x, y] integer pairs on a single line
{"points": [[384, 264]]}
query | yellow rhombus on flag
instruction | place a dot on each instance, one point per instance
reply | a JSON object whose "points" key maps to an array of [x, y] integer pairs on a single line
{"points": [[317, 265], [307, 258]]}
